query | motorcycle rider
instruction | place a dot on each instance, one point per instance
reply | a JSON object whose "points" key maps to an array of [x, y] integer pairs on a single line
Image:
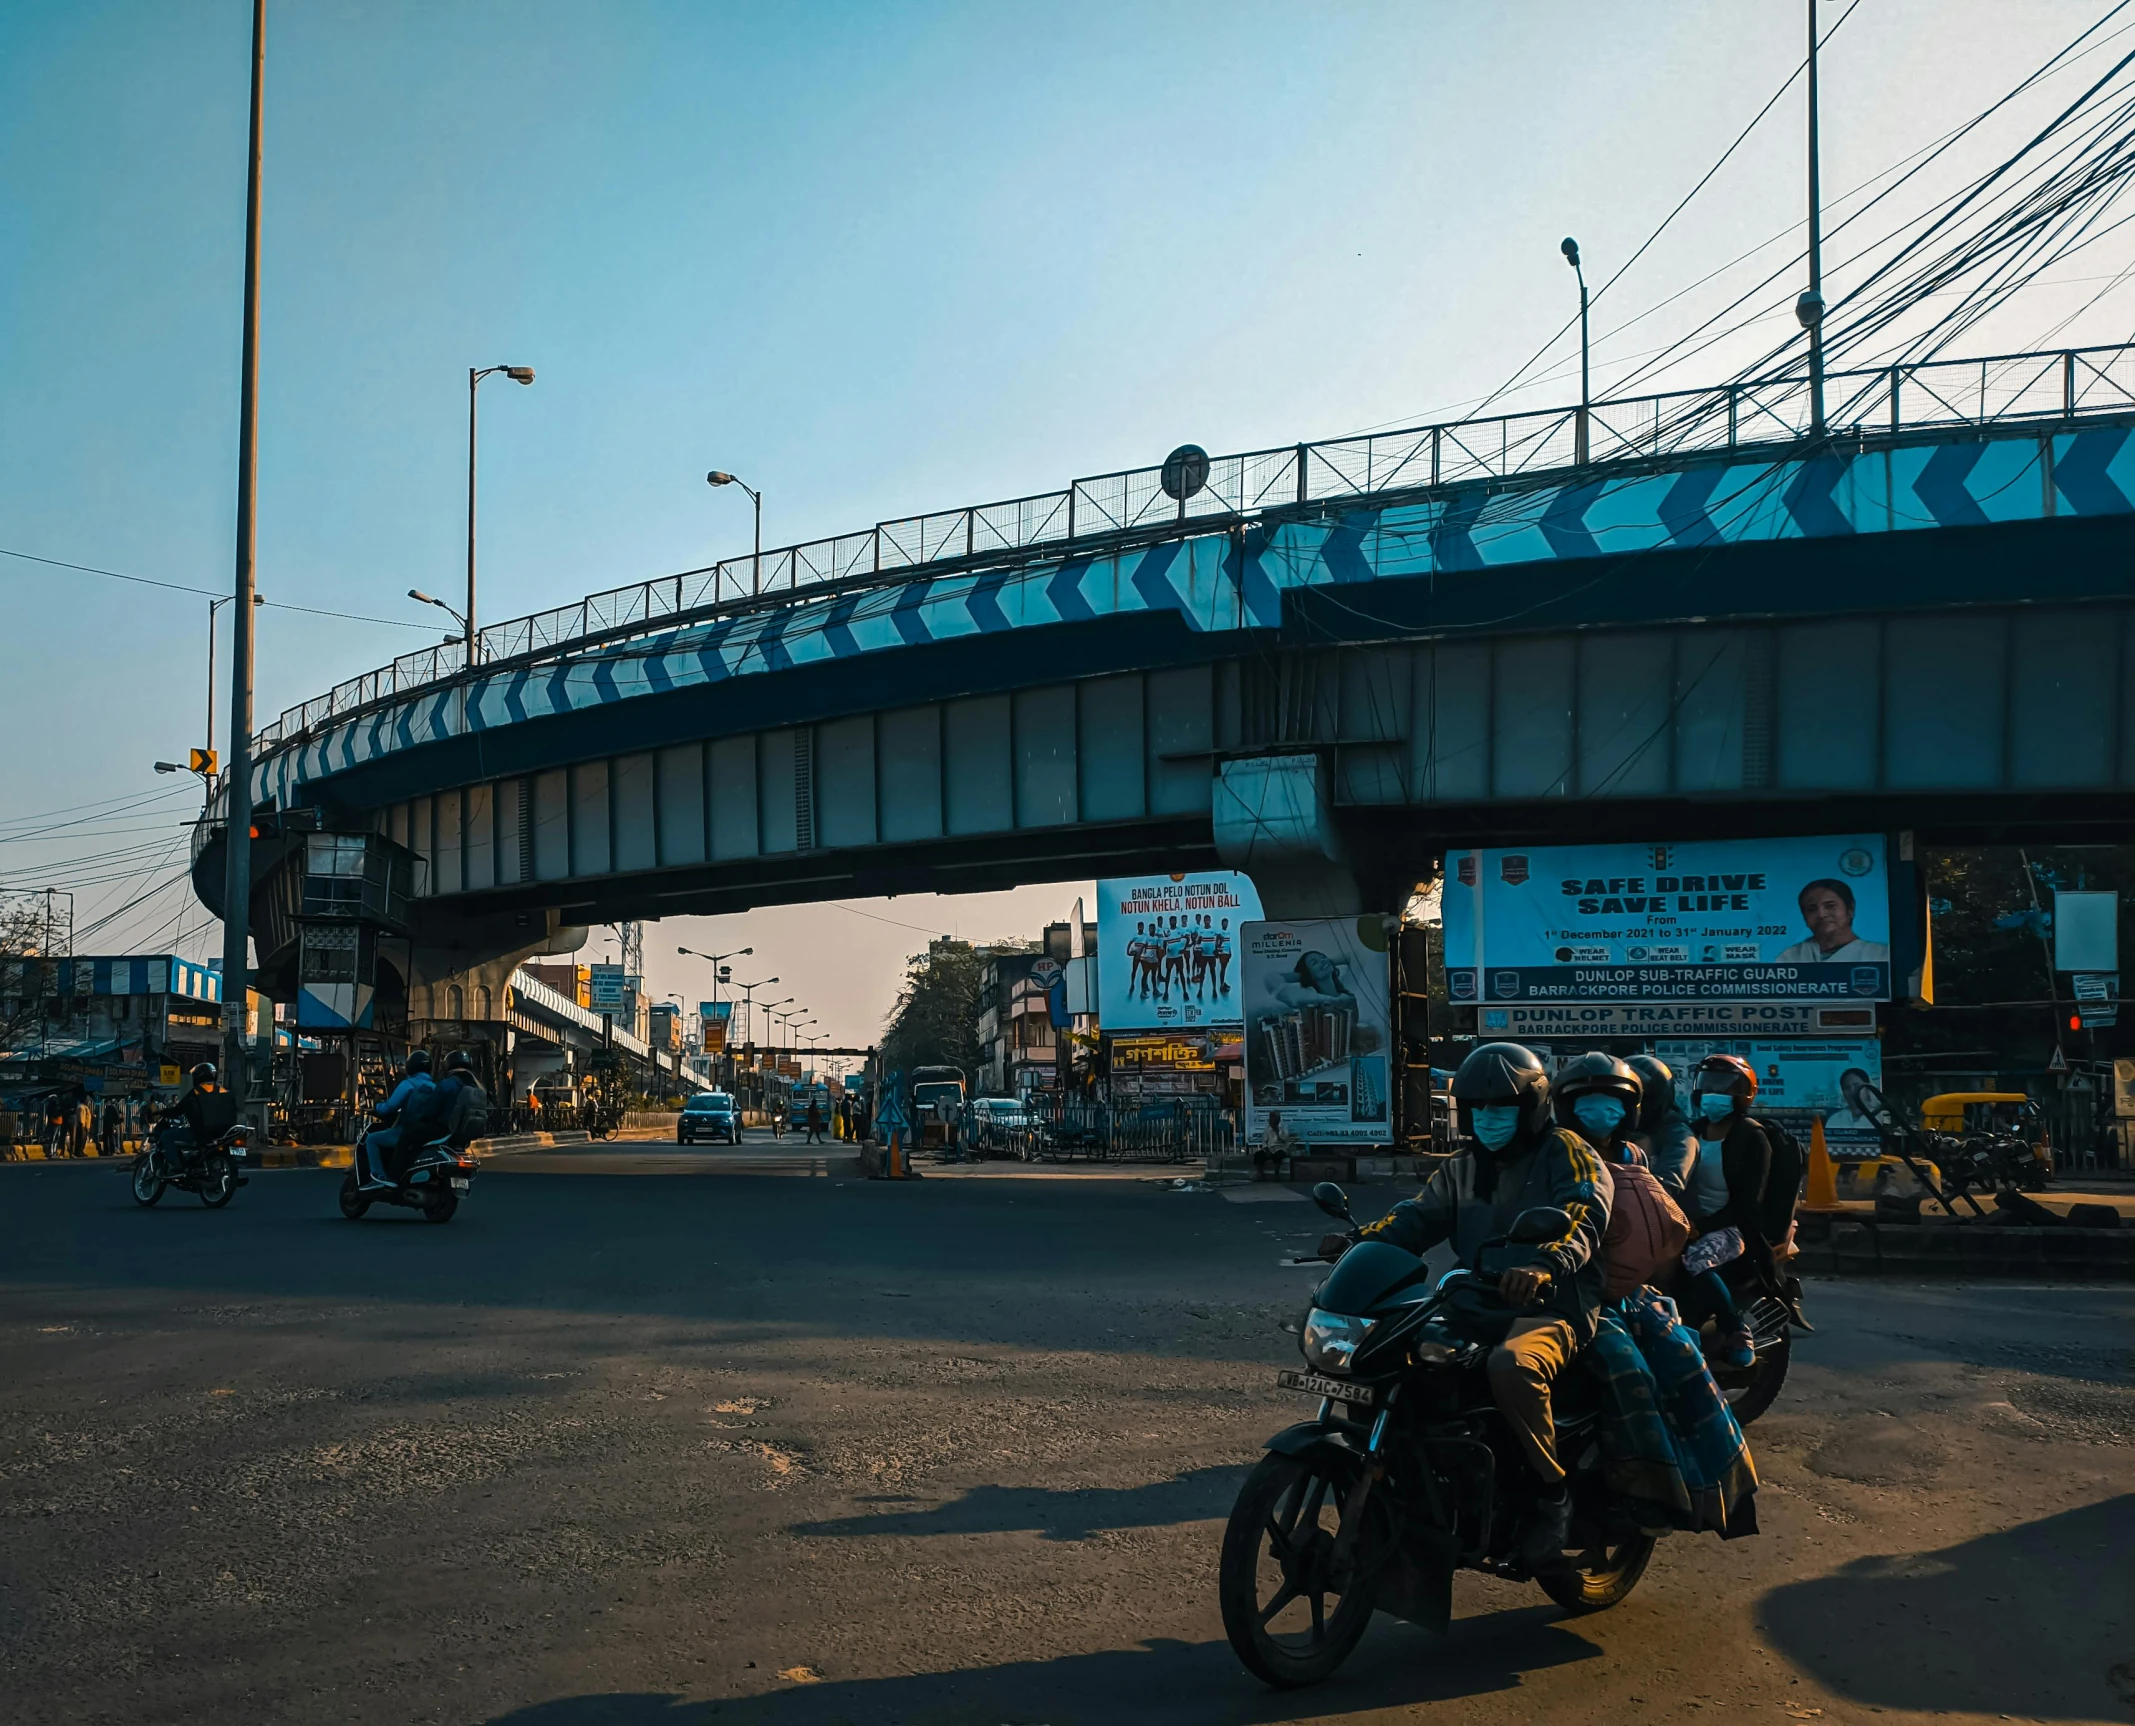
{"points": [[1599, 1098], [191, 1109], [1725, 1191], [373, 1156], [1517, 1161], [1662, 1132]]}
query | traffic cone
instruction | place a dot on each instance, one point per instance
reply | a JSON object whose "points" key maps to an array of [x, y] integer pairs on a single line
{"points": [[1821, 1187]]}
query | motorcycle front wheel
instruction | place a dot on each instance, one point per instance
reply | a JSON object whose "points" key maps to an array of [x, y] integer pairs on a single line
{"points": [[1600, 1576], [218, 1183], [147, 1184], [354, 1202], [1279, 1570]]}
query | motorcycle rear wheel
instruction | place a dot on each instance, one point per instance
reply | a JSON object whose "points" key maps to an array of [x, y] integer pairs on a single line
{"points": [[218, 1182], [354, 1203], [439, 1206], [147, 1184], [1600, 1576], [1277, 1561], [1760, 1388]]}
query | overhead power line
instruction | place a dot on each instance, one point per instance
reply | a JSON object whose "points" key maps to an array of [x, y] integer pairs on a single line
{"points": [[211, 593]]}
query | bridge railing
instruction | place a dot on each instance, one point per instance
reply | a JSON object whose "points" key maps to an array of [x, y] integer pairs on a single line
{"points": [[1761, 413]]}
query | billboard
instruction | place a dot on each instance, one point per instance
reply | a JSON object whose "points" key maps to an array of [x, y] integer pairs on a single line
{"points": [[1556, 1021], [1318, 1030], [1711, 920], [1167, 950], [715, 1016], [1798, 1082]]}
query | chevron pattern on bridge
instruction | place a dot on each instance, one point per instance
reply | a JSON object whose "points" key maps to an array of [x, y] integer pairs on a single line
{"points": [[1234, 579]]}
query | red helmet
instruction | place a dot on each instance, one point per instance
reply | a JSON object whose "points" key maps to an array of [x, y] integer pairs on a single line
{"points": [[1727, 1075]]}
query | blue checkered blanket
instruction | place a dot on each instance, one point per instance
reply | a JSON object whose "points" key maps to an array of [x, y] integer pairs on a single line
{"points": [[1668, 1441]]}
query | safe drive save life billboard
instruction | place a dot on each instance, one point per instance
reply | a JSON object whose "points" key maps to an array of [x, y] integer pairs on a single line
{"points": [[1719, 920]]}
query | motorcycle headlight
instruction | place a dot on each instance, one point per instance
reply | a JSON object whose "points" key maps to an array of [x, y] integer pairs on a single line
{"points": [[1332, 1338]]}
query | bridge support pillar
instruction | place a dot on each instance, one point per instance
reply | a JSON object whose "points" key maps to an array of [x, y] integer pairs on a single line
{"points": [[1274, 819]]}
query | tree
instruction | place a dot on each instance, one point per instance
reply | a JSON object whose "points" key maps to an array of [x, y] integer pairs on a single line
{"points": [[935, 1021]]}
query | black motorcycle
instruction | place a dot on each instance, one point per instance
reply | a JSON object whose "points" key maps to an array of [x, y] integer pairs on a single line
{"points": [[1772, 1321], [433, 1182], [1408, 1472], [174, 1158]]}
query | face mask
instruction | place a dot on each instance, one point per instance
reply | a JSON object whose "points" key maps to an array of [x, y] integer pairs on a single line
{"points": [[1716, 1105], [1495, 1123], [1598, 1114]]}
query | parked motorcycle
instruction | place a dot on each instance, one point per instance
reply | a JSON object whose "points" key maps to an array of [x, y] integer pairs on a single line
{"points": [[1408, 1472], [434, 1181], [172, 1158]]}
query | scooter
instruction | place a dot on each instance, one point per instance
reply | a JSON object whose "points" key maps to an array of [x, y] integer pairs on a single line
{"points": [[432, 1183]]}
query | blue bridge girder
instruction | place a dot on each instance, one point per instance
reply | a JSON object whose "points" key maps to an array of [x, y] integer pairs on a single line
{"points": [[1925, 626]]}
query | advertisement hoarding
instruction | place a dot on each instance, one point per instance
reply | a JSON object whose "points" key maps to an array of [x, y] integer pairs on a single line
{"points": [[1556, 1021], [1167, 950], [1798, 1082], [1318, 1030], [1707, 920]]}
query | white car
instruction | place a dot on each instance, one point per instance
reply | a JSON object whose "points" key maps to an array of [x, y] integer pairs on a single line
{"points": [[994, 1118]]}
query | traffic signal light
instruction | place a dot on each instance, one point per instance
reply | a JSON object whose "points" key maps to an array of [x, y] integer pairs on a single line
{"points": [[726, 973], [2075, 1021]]}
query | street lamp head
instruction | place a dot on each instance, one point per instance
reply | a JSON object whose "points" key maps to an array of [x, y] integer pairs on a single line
{"points": [[1570, 249], [168, 767], [715, 477], [417, 593], [520, 374]]}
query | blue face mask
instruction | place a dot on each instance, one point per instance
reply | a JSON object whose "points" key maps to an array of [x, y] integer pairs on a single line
{"points": [[1495, 1123], [1598, 1114], [1716, 1105]]}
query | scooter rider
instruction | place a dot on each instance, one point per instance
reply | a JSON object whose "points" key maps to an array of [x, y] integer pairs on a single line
{"points": [[1662, 1131], [373, 1156], [1518, 1161], [1725, 1194]]}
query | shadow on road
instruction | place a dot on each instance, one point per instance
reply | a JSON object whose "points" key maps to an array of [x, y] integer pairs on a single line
{"points": [[1200, 1495], [1177, 1683], [2035, 1621]]}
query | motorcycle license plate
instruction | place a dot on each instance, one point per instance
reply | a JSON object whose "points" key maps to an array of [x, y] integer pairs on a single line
{"points": [[237, 1150], [1319, 1384], [460, 1183]]}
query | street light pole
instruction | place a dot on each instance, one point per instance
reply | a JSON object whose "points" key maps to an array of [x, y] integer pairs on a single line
{"points": [[475, 375], [1809, 309], [756, 562], [237, 836], [1570, 249]]}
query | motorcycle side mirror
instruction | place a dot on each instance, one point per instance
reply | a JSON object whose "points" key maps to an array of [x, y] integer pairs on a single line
{"points": [[1542, 1223], [1331, 1199]]}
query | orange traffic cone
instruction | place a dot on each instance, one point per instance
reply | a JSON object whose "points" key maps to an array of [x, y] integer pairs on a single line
{"points": [[1821, 1188]]}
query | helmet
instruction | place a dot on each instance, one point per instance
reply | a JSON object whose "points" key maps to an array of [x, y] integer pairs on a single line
{"points": [[204, 1074], [457, 1062], [419, 1061], [1504, 1073], [1585, 1075], [1658, 1095], [1724, 1075]]}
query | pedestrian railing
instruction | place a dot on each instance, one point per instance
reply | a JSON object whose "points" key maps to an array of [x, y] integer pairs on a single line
{"points": [[2050, 386], [1056, 1130]]}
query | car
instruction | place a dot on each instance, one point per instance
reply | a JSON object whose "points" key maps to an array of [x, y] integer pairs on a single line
{"points": [[995, 1120], [708, 1116]]}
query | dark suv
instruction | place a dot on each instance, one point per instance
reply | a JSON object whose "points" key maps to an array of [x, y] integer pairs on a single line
{"points": [[709, 1115]]}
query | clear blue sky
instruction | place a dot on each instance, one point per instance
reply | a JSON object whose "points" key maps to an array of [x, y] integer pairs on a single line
{"points": [[875, 259]]}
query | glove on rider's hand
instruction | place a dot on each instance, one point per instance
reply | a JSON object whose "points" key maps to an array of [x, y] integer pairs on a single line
{"points": [[1333, 1247], [1524, 1286]]}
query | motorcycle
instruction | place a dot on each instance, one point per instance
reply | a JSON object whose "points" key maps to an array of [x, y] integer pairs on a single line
{"points": [[1408, 1472], [1772, 1320], [433, 1182], [171, 1158]]}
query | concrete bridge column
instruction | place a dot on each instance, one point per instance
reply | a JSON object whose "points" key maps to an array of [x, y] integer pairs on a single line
{"points": [[1274, 819]]}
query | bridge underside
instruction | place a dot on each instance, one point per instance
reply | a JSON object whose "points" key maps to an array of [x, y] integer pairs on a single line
{"points": [[980, 766]]}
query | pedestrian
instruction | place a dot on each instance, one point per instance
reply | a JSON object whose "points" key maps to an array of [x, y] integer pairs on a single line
{"points": [[815, 1120], [55, 1126], [114, 1124]]}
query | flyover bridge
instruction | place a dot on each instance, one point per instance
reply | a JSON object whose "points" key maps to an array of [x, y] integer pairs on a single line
{"points": [[1324, 664]]}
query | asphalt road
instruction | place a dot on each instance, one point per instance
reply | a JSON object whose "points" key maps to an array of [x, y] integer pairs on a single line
{"points": [[778, 1451]]}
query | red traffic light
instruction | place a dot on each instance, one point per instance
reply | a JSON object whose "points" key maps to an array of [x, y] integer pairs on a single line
{"points": [[2075, 1021]]}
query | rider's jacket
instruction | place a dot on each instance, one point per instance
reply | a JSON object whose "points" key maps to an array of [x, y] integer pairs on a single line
{"points": [[1671, 1152], [409, 1090], [1474, 1197]]}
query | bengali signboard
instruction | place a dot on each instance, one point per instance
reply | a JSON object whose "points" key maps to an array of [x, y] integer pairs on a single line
{"points": [[1318, 1030], [1798, 1083], [1167, 949], [1709, 920]]}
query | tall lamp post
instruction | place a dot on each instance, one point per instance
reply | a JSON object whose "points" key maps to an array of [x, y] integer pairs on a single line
{"points": [[756, 561], [1809, 309], [237, 829], [215, 605], [475, 375], [1570, 249]]}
